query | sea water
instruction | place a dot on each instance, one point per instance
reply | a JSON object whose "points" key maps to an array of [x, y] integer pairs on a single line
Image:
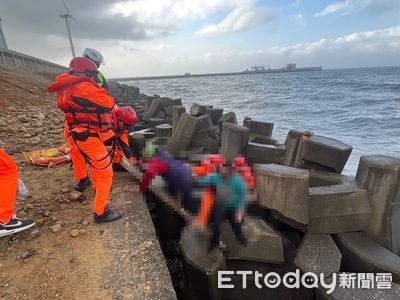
{"points": [[360, 107]]}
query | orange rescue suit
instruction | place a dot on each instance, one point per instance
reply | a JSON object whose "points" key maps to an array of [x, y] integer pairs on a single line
{"points": [[87, 112], [8, 186], [208, 198]]}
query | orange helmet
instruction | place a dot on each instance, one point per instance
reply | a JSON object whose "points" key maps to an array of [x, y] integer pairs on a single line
{"points": [[127, 115], [82, 65], [217, 160], [240, 161]]}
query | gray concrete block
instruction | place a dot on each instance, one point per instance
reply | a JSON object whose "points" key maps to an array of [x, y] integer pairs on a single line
{"points": [[153, 109], [292, 145], [338, 208], [177, 111], [229, 117], [283, 189], [319, 254], [157, 108], [259, 128], [148, 100], [177, 102], [363, 255], [264, 154], [233, 141], [380, 175], [198, 109], [187, 127], [326, 152], [215, 114], [163, 130], [153, 122], [200, 267], [263, 140], [264, 244], [201, 139], [203, 122]]}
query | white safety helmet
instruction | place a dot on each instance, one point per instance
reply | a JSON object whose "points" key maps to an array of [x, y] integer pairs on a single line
{"points": [[94, 56]]}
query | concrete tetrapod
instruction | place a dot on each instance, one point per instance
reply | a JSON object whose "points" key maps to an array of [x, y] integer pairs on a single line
{"points": [[200, 266], [187, 127], [163, 130], [363, 255], [264, 244], [198, 109], [229, 117], [338, 208], [215, 114], [258, 128], [283, 189], [257, 153], [328, 153], [177, 111], [292, 147], [380, 175], [319, 254], [233, 141]]}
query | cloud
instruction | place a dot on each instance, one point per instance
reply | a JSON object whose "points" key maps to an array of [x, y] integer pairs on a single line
{"points": [[300, 19], [379, 41], [370, 48], [243, 17], [335, 7], [295, 3], [371, 6]]}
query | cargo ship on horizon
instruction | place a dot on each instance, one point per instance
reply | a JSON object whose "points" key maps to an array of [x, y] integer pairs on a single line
{"points": [[289, 68]]}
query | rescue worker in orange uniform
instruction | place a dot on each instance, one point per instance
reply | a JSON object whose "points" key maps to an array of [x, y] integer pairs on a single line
{"points": [[87, 111], [9, 223], [123, 117], [78, 163]]}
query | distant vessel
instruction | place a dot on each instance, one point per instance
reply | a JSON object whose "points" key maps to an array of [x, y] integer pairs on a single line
{"points": [[289, 68]]}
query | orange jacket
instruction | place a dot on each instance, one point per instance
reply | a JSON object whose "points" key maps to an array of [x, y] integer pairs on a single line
{"points": [[85, 105]]}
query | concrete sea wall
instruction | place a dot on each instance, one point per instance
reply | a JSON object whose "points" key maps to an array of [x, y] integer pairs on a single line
{"points": [[306, 215], [10, 57]]}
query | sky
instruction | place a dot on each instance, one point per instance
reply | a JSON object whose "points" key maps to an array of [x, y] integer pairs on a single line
{"points": [[163, 37]]}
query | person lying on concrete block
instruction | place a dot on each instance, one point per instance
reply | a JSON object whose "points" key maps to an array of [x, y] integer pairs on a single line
{"points": [[9, 189], [230, 203], [176, 174]]}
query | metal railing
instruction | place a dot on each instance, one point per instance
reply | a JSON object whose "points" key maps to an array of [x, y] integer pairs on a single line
{"points": [[10, 57]]}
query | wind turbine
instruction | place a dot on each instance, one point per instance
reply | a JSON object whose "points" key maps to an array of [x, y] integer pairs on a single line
{"points": [[67, 18]]}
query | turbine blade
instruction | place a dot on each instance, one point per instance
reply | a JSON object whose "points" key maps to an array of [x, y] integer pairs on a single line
{"points": [[66, 8], [73, 19]]}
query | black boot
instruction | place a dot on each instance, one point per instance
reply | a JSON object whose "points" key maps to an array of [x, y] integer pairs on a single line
{"points": [[82, 184], [108, 216]]}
